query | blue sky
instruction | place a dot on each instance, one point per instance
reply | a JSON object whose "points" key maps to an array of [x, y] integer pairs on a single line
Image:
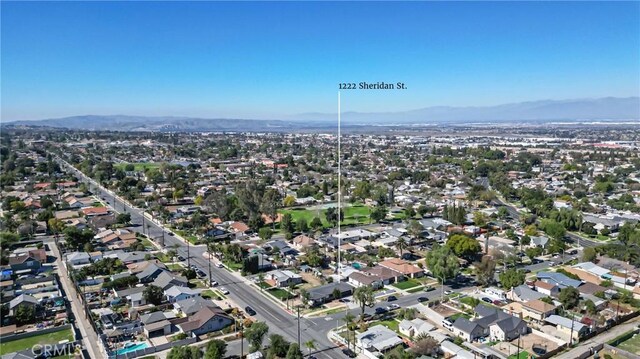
{"points": [[266, 60]]}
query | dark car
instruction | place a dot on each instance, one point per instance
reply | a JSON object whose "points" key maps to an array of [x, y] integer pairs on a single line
{"points": [[250, 310], [350, 353], [170, 233], [181, 258], [497, 302], [487, 299], [391, 298], [380, 310], [423, 299]]}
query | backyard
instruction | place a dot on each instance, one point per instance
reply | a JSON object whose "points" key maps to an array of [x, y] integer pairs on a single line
{"points": [[27, 343], [632, 345]]}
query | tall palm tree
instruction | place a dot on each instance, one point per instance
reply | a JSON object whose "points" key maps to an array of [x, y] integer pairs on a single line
{"points": [[348, 319], [401, 245], [310, 345]]}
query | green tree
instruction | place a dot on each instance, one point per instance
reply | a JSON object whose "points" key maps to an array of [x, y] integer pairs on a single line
{"points": [[552, 228], [589, 254], [316, 223], [153, 294], [301, 225], [271, 201], [294, 352], [25, 314], [480, 219], [512, 278], [364, 296], [310, 345], [401, 245], [442, 262], [286, 224], [184, 352], [255, 335], [569, 297], [464, 246], [265, 233], [216, 349], [379, 213], [278, 346], [414, 228]]}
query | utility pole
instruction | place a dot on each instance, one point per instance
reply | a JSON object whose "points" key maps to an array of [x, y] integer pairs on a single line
{"points": [[188, 254], [209, 250], [298, 307]]}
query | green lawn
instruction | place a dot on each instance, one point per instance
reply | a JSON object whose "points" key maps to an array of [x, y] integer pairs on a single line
{"points": [[407, 284], [264, 285], [141, 166], [415, 290], [453, 318], [523, 355], [356, 214], [209, 294], [279, 293], [175, 267], [233, 265], [28, 343], [632, 345]]}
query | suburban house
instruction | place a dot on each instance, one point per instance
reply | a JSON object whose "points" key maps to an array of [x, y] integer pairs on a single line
{"points": [[22, 300], [469, 330], [78, 258], [157, 323], [206, 320], [415, 327], [558, 279], [359, 279], [567, 326], [400, 266], [303, 242], [548, 289], [493, 322], [523, 293], [282, 278], [325, 293], [24, 262], [178, 293], [166, 280], [191, 306], [537, 309], [388, 276], [378, 338]]}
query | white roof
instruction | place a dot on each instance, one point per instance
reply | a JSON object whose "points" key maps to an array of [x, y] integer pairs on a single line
{"points": [[379, 337], [592, 268]]}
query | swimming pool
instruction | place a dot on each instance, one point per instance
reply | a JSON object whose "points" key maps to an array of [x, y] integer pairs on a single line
{"points": [[132, 348]]}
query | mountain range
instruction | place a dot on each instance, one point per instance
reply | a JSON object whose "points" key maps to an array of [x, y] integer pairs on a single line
{"points": [[579, 110]]}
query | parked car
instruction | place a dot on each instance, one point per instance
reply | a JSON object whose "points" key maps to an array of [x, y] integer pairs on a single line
{"points": [[350, 353], [381, 310], [487, 300], [497, 302], [429, 288], [224, 290], [249, 310], [393, 307]]}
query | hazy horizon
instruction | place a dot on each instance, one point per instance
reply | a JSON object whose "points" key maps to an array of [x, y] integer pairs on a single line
{"points": [[281, 59]]}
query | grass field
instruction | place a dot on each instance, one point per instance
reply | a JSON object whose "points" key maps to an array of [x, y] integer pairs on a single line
{"points": [[523, 355], [415, 290], [175, 267], [357, 214], [632, 345], [28, 343], [141, 166], [407, 284]]}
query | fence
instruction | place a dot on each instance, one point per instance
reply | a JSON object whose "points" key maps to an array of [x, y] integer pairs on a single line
{"points": [[154, 349], [12, 337]]}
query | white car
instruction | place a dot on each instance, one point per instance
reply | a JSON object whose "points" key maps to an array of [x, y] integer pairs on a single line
{"points": [[224, 290], [448, 291], [219, 265], [214, 283], [393, 307]]}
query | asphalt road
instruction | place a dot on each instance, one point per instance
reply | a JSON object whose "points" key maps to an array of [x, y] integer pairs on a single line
{"points": [[279, 321]]}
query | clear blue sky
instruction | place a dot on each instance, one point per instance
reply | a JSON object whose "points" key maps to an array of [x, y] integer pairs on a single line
{"points": [[269, 59]]}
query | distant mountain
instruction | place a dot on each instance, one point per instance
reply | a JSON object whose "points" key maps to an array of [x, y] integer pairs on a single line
{"points": [[609, 108], [602, 109], [143, 123]]}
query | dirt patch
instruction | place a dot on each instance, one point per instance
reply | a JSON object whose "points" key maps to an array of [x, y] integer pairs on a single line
{"points": [[311, 280], [444, 311], [528, 341]]}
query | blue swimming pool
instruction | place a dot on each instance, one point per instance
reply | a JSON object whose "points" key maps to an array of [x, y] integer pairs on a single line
{"points": [[132, 348]]}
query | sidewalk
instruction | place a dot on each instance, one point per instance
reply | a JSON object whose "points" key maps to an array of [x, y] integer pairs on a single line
{"points": [[89, 336]]}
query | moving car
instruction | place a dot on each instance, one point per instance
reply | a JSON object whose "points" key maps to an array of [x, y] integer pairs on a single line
{"points": [[487, 300], [448, 291], [423, 299], [224, 290], [391, 298], [381, 310], [249, 310], [393, 307]]}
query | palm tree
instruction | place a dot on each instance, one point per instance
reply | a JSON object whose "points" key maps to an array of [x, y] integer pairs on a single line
{"points": [[364, 297], [401, 244], [310, 345], [348, 319], [260, 280]]}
